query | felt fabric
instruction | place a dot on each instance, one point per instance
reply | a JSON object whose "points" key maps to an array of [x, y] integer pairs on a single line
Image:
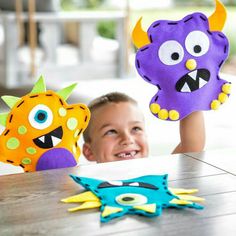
{"points": [[145, 195], [48, 161], [42, 130], [183, 59]]}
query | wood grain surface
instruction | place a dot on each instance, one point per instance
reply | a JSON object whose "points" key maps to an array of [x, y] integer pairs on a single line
{"points": [[30, 202], [224, 159]]}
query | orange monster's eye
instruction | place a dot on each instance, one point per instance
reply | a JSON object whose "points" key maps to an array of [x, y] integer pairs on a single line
{"points": [[40, 117]]}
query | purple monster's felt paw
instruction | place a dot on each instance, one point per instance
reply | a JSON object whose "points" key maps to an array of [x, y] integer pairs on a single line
{"points": [[56, 158]]}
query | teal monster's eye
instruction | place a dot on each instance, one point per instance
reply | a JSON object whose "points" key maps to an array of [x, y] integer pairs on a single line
{"points": [[40, 117], [131, 199]]}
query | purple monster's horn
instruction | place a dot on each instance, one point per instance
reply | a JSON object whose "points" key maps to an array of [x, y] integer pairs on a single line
{"points": [[218, 18], [139, 37]]}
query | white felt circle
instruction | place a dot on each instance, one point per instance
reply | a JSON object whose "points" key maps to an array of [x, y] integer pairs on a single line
{"points": [[171, 52], [197, 43], [44, 123]]}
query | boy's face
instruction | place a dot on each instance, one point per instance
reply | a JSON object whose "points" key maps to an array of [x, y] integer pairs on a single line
{"points": [[117, 133]]}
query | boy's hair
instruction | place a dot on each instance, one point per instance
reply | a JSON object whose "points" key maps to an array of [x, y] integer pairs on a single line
{"points": [[114, 97]]}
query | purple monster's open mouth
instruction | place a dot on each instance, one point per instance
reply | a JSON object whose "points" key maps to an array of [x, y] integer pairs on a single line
{"points": [[193, 81], [50, 139]]}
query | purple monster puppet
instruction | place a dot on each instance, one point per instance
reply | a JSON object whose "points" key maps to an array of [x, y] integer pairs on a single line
{"points": [[183, 59]]}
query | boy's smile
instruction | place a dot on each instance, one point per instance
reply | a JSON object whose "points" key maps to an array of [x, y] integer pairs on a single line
{"points": [[117, 133], [127, 154]]}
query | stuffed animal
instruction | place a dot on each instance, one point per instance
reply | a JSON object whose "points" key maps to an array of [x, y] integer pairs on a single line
{"points": [[146, 195], [183, 59], [42, 130]]}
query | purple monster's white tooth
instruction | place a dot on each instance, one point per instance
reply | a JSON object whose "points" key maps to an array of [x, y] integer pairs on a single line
{"points": [[185, 88], [193, 74], [202, 82]]}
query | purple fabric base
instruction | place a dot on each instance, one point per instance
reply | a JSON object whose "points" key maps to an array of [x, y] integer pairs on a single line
{"points": [[168, 78], [56, 158]]}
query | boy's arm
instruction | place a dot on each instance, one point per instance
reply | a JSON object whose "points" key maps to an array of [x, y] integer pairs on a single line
{"points": [[192, 133]]}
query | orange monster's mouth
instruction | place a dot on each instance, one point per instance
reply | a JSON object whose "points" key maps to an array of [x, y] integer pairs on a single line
{"points": [[50, 139]]}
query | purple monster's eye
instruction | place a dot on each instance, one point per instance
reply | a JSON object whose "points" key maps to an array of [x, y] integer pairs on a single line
{"points": [[171, 52], [197, 43]]}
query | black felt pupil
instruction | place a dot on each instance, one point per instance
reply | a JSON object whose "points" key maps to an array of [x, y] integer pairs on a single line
{"points": [[175, 56], [41, 116], [127, 199], [197, 49]]}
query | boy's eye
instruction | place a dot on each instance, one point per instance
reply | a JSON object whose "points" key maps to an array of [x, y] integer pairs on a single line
{"points": [[110, 132], [40, 117], [137, 128]]}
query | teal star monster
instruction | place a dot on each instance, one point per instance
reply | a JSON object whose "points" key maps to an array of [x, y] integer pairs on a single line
{"points": [[145, 195]]}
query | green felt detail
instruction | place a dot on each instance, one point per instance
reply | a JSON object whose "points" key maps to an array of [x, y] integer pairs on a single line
{"points": [[72, 123], [74, 149], [31, 150], [76, 133], [13, 143], [22, 129], [65, 92], [10, 100], [39, 86], [3, 118], [62, 111], [26, 161]]}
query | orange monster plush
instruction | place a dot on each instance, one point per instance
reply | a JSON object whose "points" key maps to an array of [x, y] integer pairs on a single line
{"points": [[42, 130]]}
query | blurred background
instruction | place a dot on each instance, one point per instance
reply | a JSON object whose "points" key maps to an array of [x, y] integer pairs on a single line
{"points": [[76, 35], [152, 10], [88, 41]]}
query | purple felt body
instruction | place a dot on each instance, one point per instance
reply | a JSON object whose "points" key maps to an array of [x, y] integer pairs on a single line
{"points": [[56, 158], [165, 77]]}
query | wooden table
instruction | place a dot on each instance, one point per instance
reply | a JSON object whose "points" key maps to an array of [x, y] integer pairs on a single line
{"points": [[224, 159], [30, 203]]}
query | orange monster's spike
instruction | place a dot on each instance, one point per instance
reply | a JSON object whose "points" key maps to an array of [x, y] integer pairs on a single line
{"points": [[3, 118], [10, 100]]}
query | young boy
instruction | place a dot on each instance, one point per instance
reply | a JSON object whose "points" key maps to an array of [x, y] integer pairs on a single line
{"points": [[116, 130]]}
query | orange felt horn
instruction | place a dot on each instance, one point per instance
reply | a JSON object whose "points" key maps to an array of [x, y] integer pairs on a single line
{"points": [[139, 36], [218, 18]]}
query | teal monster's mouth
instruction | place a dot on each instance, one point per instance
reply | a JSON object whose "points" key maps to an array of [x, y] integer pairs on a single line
{"points": [[50, 139]]}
